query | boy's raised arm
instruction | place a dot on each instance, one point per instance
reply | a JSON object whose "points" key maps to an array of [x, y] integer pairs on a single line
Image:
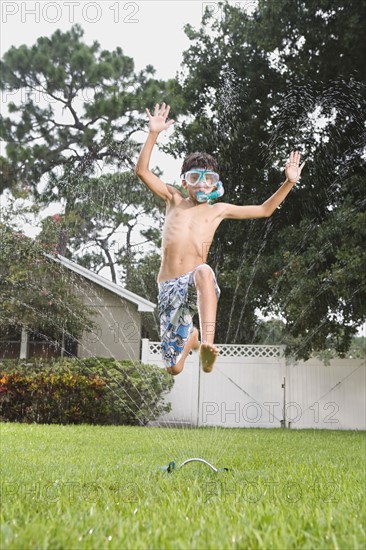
{"points": [[266, 209], [157, 124]]}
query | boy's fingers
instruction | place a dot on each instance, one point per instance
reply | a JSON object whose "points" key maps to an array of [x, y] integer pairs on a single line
{"points": [[170, 123], [294, 157], [162, 109], [302, 166], [167, 111], [156, 112], [148, 112]]}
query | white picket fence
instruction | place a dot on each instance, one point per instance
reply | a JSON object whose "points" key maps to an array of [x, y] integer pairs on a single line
{"points": [[254, 386]]}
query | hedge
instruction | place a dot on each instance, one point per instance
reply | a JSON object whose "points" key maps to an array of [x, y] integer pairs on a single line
{"points": [[75, 391]]}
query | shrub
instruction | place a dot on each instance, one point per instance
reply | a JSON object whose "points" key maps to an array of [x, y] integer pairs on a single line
{"points": [[93, 390]]}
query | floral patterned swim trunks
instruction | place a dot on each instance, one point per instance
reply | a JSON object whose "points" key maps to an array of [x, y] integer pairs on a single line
{"points": [[177, 305]]}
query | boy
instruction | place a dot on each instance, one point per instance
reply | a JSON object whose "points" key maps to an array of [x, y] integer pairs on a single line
{"points": [[189, 228]]}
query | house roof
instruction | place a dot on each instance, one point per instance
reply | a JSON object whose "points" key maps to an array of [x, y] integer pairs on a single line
{"points": [[142, 304]]}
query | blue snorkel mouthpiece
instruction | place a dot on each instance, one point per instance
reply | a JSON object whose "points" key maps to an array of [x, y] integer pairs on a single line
{"points": [[203, 197]]}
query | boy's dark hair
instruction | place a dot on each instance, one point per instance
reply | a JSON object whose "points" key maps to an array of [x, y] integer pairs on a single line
{"points": [[199, 160]]}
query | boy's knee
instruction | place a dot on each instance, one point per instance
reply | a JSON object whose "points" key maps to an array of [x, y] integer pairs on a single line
{"points": [[203, 274], [176, 369]]}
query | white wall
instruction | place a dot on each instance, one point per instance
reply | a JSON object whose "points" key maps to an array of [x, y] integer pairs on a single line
{"points": [[118, 330], [330, 397], [245, 389]]}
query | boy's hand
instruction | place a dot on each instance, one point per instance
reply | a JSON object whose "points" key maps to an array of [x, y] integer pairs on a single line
{"points": [[293, 170], [157, 123]]}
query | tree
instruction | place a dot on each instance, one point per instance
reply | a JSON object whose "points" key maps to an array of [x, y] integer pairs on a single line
{"points": [[320, 289], [271, 332], [99, 227], [257, 85], [38, 293], [84, 160]]}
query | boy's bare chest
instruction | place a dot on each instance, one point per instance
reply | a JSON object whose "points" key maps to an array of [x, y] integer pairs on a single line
{"points": [[201, 219]]}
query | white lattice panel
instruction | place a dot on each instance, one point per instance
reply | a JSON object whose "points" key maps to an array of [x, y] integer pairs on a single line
{"points": [[231, 350], [154, 348]]}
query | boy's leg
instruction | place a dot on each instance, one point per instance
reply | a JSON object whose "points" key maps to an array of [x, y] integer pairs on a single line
{"points": [[207, 307], [192, 343], [178, 336]]}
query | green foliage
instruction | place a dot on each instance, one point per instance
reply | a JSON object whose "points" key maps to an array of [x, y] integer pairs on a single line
{"points": [[95, 391], [104, 212], [271, 332], [326, 303], [257, 86], [35, 288], [88, 163]]}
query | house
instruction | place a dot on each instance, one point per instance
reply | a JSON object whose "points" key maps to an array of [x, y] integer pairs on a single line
{"points": [[118, 323]]}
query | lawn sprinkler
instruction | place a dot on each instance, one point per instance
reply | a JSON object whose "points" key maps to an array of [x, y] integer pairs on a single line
{"points": [[172, 466]]}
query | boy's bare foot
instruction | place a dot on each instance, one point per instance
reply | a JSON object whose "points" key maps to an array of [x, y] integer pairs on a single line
{"points": [[208, 355]]}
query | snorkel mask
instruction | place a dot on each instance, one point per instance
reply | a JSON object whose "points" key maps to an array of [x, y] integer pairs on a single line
{"points": [[209, 179]]}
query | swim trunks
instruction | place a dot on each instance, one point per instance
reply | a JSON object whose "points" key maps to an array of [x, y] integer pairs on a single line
{"points": [[177, 305]]}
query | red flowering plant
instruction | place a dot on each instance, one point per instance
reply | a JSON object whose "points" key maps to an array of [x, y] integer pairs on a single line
{"points": [[51, 397]]}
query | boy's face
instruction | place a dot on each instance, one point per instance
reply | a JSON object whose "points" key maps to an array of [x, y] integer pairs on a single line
{"points": [[200, 180]]}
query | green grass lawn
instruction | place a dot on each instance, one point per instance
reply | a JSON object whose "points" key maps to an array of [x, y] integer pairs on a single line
{"points": [[75, 487]]}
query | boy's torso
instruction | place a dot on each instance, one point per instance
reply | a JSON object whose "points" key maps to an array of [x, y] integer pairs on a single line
{"points": [[187, 235]]}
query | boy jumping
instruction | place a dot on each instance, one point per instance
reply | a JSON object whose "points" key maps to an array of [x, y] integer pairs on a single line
{"points": [[185, 281]]}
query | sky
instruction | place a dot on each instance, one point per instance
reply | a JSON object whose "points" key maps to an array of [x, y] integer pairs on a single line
{"points": [[149, 31]]}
